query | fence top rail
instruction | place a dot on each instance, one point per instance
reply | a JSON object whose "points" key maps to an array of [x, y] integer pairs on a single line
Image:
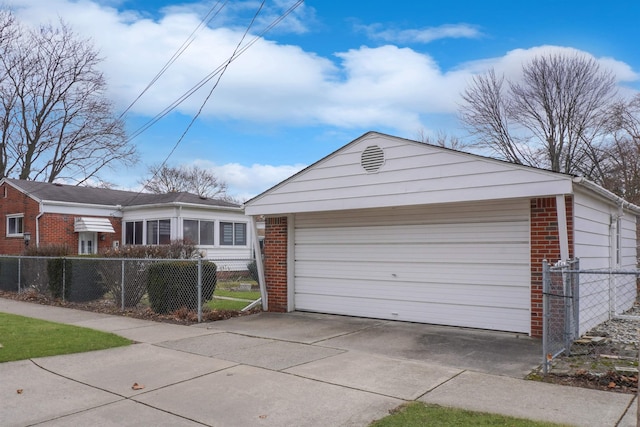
{"points": [[595, 271], [91, 258]]}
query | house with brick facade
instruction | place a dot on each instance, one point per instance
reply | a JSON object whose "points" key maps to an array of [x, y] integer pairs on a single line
{"points": [[95, 219], [396, 229]]}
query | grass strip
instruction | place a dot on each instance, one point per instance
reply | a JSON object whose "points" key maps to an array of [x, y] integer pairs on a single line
{"points": [[26, 338], [418, 414]]}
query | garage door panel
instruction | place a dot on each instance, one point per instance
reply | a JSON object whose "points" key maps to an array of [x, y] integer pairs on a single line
{"points": [[472, 252], [450, 267], [466, 294], [453, 272], [439, 314], [450, 233]]}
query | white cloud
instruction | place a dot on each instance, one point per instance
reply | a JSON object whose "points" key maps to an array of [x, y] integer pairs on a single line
{"points": [[385, 87], [423, 35], [245, 182]]}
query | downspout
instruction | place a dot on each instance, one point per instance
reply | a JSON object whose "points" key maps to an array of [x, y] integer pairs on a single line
{"points": [[259, 263], [291, 262], [563, 232], [38, 225]]}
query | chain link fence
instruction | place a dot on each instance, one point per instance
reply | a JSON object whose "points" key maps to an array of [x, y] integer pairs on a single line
{"points": [[162, 285], [582, 307]]}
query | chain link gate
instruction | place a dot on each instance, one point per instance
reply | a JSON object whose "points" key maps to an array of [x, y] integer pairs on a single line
{"points": [[578, 304]]}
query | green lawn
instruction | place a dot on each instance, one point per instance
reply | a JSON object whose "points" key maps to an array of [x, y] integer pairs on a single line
{"points": [[25, 338], [226, 289], [418, 414]]}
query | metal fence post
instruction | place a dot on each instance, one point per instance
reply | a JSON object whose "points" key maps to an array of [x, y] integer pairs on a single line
{"points": [[19, 275], [199, 289], [545, 316], [122, 287], [64, 278], [568, 305]]}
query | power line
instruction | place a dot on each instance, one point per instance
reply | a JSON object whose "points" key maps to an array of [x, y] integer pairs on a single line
{"points": [[219, 70], [215, 72], [205, 21]]}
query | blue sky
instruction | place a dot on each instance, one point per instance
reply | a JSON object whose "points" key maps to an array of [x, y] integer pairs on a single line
{"points": [[329, 72]]}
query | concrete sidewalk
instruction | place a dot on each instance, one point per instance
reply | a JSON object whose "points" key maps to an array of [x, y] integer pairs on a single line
{"points": [[296, 369]]}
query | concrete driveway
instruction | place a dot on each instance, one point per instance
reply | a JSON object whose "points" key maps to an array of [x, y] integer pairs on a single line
{"points": [[497, 353], [296, 369]]}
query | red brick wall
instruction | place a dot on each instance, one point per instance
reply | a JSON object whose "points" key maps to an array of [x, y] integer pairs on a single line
{"points": [[545, 244], [275, 261], [54, 229], [16, 202]]}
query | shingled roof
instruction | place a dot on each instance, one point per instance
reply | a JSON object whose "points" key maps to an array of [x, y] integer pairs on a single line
{"points": [[45, 191]]}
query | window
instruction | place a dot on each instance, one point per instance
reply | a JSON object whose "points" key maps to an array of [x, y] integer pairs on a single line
{"points": [[133, 233], [159, 232], [233, 233], [15, 225], [199, 232]]}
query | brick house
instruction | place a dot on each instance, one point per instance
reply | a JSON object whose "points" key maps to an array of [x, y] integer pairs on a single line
{"points": [[395, 229], [94, 219]]}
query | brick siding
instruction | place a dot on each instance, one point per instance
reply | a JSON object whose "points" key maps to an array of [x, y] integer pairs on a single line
{"points": [[54, 229], [275, 261], [545, 244]]}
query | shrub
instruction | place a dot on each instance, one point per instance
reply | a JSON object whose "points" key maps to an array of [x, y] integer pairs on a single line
{"points": [[136, 272], [172, 285], [58, 287]]}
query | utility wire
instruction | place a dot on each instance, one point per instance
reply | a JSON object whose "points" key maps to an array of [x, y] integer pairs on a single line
{"points": [[219, 70], [210, 76], [205, 21]]}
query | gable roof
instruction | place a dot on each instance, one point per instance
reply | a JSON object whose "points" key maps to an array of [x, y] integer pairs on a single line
{"points": [[378, 170], [48, 192]]}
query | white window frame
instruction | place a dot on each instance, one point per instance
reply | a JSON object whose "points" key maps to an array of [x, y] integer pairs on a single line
{"points": [[233, 235], [15, 217], [199, 231], [147, 235]]}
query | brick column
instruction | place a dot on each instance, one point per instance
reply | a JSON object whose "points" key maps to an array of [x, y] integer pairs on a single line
{"points": [[275, 262], [545, 244]]}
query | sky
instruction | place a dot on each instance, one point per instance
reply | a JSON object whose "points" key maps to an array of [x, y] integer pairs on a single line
{"points": [[301, 87]]}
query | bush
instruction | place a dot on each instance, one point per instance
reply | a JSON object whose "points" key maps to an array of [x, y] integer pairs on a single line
{"points": [[136, 271], [9, 274], [57, 285], [81, 279], [172, 285]]}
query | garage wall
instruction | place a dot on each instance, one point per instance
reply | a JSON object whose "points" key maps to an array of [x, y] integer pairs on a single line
{"points": [[596, 230], [463, 264]]}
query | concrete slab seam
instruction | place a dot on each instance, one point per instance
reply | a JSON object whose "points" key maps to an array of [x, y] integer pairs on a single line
{"points": [[351, 332], [336, 385], [140, 393], [441, 384], [627, 410]]}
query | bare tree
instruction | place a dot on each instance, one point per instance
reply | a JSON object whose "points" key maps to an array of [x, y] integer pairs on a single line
{"points": [[620, 169], [192, 179], [442, 139], [552, 117], [56, 121]]}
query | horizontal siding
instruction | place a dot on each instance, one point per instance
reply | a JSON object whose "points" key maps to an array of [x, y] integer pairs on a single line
{"points": [[446, 264], [413, 174], [594, 245]]}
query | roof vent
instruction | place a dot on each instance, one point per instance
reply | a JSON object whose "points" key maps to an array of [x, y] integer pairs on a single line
{"points": [[372, 158]]}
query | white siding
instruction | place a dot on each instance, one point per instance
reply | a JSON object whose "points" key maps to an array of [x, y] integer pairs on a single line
{"points": [[453, 264], [595, 246], [413, 174], [176, 214]]}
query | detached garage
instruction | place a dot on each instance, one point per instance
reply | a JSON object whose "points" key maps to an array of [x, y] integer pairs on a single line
{"points": [[395, 229]]}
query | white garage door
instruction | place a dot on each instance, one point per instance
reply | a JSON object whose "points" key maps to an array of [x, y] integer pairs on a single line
{"points": [[457, 264]]}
